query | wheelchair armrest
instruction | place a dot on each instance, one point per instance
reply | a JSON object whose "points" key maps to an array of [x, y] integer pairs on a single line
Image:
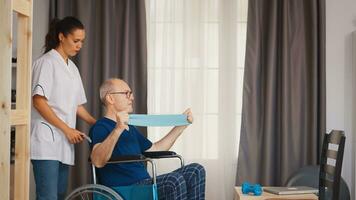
{"points": [[163, 154], [127, 158], [159, 154]]}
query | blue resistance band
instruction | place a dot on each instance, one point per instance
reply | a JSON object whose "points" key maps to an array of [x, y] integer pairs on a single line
{"points": [[158, 120], [154, 120]]}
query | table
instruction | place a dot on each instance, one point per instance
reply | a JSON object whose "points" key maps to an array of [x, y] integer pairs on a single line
{"points": [[269, 196]]}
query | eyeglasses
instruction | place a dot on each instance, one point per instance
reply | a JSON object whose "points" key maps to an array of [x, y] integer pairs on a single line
{"points": [[127, 93]]}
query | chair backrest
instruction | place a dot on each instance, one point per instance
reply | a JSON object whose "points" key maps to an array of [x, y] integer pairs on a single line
{"points": [[330, 164]]}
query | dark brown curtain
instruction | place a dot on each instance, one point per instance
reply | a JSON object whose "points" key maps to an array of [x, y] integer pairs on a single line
{"points": [[115, 46], [283, 114]]}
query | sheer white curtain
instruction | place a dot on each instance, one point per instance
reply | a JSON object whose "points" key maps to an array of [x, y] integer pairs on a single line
{"points": [[196, 54]]}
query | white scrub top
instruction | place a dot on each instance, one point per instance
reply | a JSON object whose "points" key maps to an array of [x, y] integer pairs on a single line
{"points": [[62, 86]]}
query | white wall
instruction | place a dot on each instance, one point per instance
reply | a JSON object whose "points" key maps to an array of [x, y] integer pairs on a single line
{"points": [[40, 26], [340, 79]]}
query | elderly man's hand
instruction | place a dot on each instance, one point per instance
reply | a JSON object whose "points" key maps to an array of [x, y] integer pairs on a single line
{"points": [[189, 114], [122, 120]]}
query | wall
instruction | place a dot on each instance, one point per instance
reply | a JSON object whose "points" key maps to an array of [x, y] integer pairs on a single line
{"points": [[340, 78], [40, 26]]}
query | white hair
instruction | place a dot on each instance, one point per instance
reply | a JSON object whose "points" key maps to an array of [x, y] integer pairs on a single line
{"points": [[106, 88]]}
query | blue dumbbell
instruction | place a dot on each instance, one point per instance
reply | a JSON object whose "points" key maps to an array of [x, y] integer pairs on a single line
{"points": [[247, 188]]}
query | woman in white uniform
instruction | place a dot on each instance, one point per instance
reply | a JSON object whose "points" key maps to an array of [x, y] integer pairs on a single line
{"points": [[57, 98]]}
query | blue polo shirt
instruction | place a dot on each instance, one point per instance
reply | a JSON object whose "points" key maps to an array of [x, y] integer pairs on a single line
{"points": [[129, 143]]}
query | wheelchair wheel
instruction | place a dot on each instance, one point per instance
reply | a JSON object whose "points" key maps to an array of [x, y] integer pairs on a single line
{"points": [[94, 192]]}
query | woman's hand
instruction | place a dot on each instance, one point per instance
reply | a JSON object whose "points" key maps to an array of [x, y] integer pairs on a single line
{"points": [[74, 136]]}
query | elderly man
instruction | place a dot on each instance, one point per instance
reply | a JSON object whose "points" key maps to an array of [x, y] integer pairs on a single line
{"points": [[112, 136]]}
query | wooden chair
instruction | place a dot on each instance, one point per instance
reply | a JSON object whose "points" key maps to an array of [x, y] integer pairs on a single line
{"points": [[332, 154], [327, 176]]}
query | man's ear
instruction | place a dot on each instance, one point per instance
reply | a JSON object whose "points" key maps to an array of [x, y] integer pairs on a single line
{"points": [[109, 100]]}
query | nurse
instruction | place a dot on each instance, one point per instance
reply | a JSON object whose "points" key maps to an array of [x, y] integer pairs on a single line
{"points": [[57, 99]]}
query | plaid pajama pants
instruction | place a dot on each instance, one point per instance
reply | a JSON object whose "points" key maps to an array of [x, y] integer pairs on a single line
{"points": [[185, 183]]}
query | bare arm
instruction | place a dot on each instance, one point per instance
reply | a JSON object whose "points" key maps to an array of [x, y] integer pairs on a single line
{"points": [[102, 151], [167, 141], [40, 103], [84, 115]]}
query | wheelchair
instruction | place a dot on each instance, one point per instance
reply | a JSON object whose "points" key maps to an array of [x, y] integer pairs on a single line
{"points": [[96, 191]]}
